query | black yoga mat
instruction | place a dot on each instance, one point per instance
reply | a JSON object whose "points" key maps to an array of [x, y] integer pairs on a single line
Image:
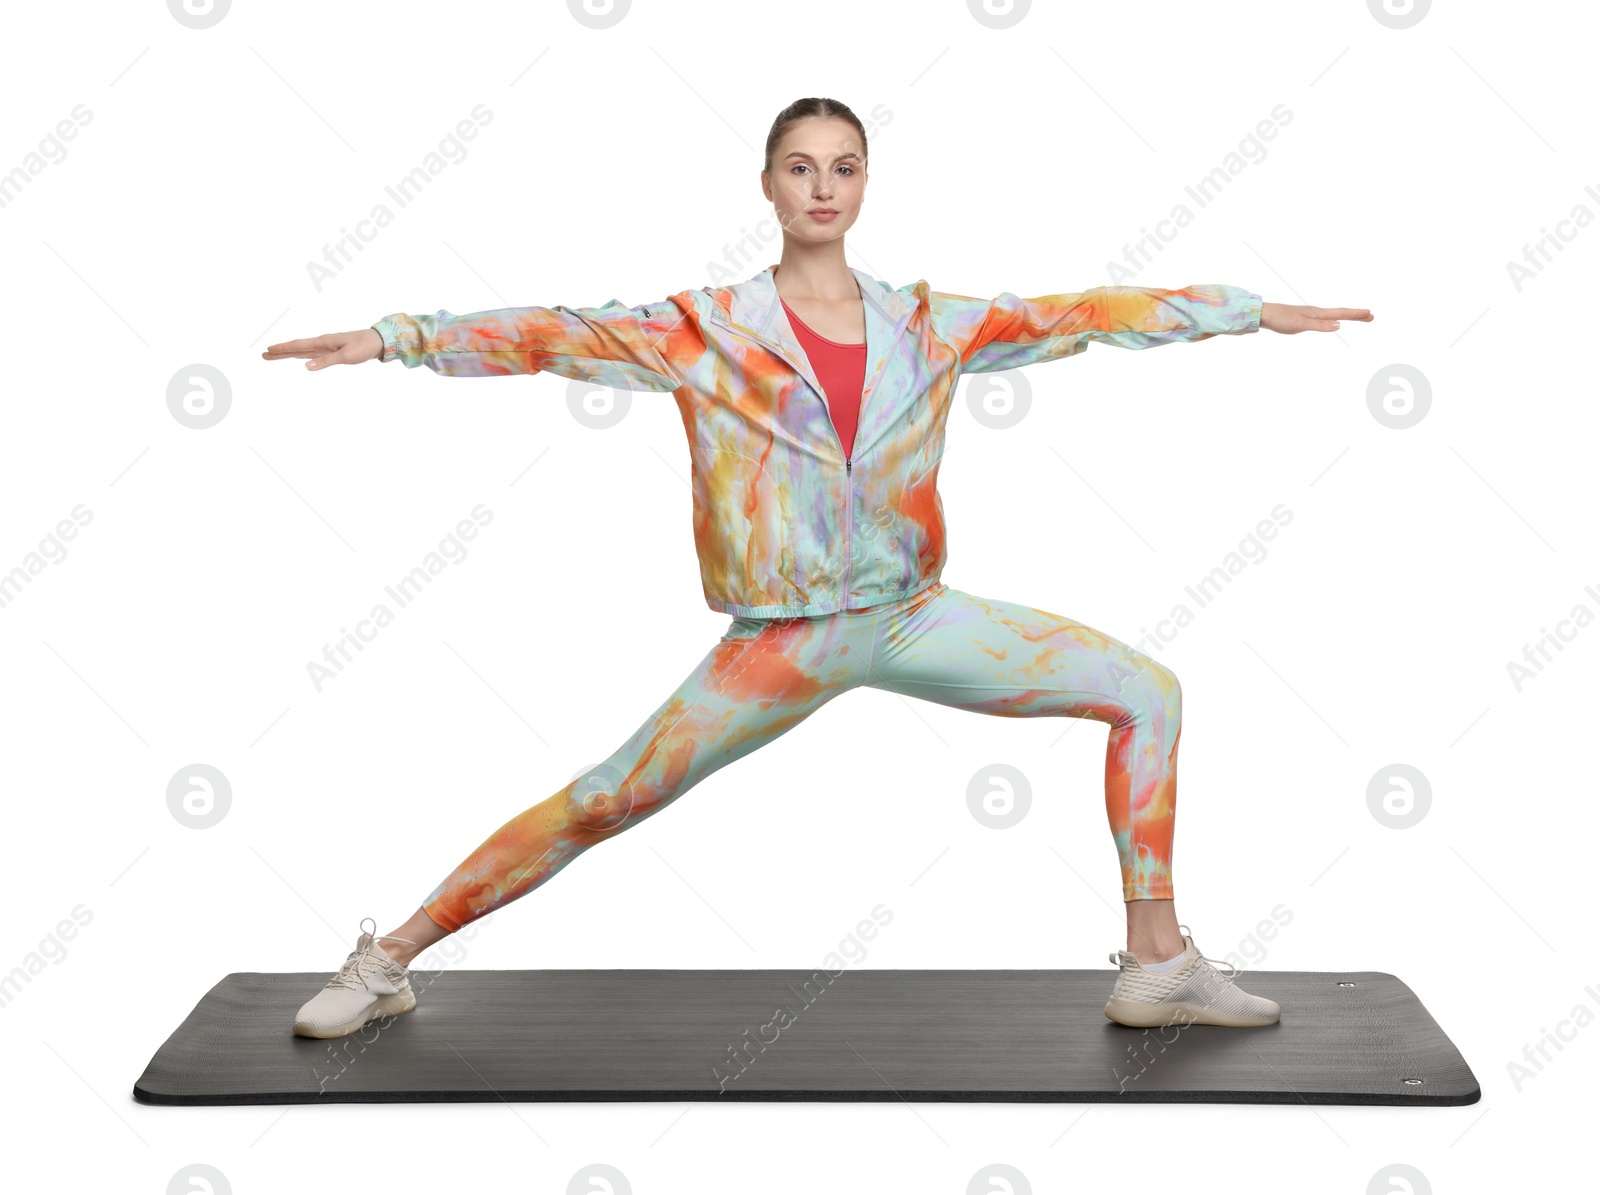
{"points": [[1359, 1037]]}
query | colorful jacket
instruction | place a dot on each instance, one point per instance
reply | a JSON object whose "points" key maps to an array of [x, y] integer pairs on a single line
{"points": [[784, 523]]}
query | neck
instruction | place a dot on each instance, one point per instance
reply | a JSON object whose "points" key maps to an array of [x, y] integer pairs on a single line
{"points": [[815, 273]]}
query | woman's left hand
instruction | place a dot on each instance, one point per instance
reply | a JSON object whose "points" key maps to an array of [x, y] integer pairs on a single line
{"points": [[1281, 317]]}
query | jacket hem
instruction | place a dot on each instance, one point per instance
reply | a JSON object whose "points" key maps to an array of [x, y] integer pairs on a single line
{"points": [[815, 608]]}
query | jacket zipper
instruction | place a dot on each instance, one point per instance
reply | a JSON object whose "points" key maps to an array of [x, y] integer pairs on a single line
{"points": [[849, 483], [849, 506], [849, 521]]}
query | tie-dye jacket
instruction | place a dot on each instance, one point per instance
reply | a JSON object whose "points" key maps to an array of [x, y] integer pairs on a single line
{"points": [[784, 523]]}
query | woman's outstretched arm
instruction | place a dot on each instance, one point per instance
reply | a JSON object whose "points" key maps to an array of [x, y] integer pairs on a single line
{"points": [[1008, 332], [634, 348]]}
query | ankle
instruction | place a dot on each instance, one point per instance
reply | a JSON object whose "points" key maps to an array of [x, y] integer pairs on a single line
{"points": [[399, 952], [1156, 948]]}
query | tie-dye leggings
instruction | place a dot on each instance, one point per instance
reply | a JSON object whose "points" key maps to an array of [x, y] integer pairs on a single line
{"points": [[766, 676]]}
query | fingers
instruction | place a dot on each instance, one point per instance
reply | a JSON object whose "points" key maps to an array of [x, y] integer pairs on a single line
{"points": [[1326, 319], [1338, 313], [307, 346]]}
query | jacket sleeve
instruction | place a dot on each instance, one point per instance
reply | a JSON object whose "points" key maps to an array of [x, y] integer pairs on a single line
{"points": [[648, 347], [1007, 332]]}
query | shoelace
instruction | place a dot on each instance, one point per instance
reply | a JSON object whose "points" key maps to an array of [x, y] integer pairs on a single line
{"points": [[361, 961]]}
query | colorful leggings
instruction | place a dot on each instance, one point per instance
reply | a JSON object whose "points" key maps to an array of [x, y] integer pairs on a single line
{"points": [[765, 676]]}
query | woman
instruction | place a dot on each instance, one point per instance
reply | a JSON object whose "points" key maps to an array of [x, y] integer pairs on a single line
{"points": [[815, 400]]}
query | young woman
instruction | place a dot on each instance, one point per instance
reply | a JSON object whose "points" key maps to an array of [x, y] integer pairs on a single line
{"points": [[815, 398]]}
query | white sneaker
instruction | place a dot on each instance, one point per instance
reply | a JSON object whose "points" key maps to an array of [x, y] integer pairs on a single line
{"points": [[1193, 993], [369, 985]]}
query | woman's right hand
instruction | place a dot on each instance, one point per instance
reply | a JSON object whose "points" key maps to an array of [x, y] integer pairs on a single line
{"points": [[331, 348]]}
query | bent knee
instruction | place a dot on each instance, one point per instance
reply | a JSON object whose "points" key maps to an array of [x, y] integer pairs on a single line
{"points": [[1147, 684]]}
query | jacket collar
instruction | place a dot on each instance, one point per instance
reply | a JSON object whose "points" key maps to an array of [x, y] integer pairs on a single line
{"points": [[755, 310]]}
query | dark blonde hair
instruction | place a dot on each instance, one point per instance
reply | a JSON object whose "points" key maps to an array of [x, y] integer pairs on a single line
{"points": [[804, 109]]}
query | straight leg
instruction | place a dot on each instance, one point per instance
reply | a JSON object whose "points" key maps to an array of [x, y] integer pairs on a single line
{"points": [[762, 679]]}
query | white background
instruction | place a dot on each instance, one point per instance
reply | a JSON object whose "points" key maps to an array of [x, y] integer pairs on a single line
{"points": [[179, 229]]}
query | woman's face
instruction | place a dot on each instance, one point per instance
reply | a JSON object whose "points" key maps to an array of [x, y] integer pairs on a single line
{"points": [[819, 166]]}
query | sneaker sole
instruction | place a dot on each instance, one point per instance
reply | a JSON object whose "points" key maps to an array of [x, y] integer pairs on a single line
{"points": [[382, 1007], [1140, 1015]]}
